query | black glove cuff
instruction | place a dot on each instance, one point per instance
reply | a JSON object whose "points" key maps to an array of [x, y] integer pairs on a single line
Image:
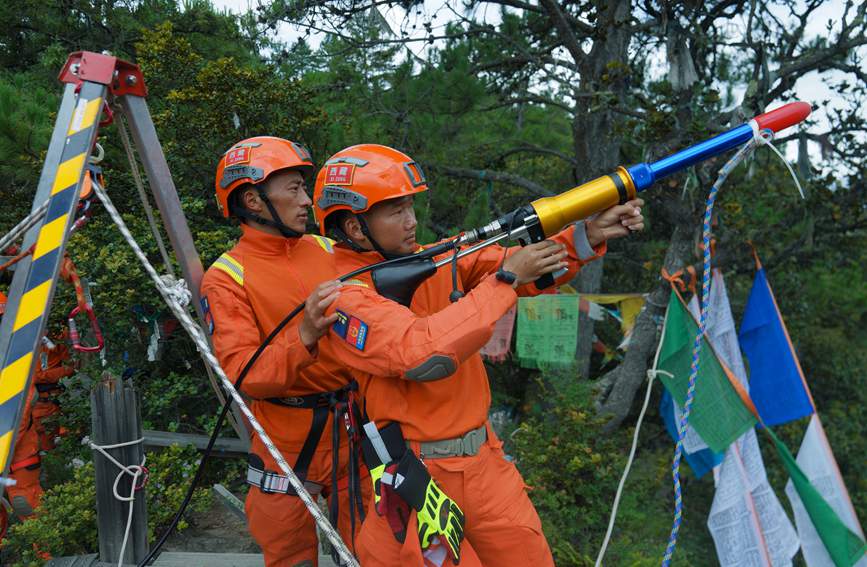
{"points": [[392, 437], [411, 480]]}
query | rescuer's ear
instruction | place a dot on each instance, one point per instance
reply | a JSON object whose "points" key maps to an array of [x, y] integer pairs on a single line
{"points": [[352, 228], [250, 200]]}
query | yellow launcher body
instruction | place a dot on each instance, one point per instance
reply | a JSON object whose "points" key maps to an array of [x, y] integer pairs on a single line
{"points": [[587, 199]]}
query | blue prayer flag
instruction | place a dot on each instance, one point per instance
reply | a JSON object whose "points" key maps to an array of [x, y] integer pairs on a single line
{"points": [[776, 381], [701, 461]]}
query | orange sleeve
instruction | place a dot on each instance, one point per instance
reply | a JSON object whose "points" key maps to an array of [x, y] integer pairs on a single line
{"points": [[378, 336], [236, 336], [579, 252]]}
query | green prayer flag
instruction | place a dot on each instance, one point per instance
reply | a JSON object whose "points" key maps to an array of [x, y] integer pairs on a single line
{"points": [[718, 415], [547, 330], [844, 546]]}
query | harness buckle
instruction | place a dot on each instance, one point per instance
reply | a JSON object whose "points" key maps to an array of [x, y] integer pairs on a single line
{"points": [[272, 483]]}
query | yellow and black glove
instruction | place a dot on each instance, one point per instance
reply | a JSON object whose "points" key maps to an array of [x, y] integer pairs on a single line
{"points": [[386, 503], [438, 515]]}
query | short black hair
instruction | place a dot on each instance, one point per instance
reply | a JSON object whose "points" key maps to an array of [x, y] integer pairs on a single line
{"points": [[235, 203], [334, 224]]}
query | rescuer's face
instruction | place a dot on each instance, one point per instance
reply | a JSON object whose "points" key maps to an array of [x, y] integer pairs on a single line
{"points": [[288, 193], [392, 224]]}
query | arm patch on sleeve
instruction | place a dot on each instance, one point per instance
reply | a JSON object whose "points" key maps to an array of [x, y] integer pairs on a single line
{"points": [[207, 315], [351, 329]]}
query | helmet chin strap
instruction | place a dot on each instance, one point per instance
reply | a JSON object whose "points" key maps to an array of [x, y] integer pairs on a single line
{"points": [[365, 230], [276, 223]]}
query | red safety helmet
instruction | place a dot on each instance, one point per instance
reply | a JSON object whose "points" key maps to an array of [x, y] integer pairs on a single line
{"points": [[356, 178], [253, 160]]}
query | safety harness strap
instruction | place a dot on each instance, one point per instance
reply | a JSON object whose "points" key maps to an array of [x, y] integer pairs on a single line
{"points": [[342, 404], [271, 482]]}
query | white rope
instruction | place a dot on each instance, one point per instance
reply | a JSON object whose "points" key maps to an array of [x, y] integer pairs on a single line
{"points": [[651, 374], [149, 212], [764, 138], [201, 343], [23, 226], [177, 289], [135, 471]]}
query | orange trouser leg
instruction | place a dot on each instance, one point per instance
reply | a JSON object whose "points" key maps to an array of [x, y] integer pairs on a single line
{"points": [[282, 525], [376, 546], [502, 527], [26, 493]]}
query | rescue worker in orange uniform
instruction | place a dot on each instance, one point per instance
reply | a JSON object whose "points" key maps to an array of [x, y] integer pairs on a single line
{"points": [[436, 410], [297, 382], [245, 294], [53, 365]]}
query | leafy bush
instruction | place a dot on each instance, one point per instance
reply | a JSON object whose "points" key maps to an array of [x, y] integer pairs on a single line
{"points": [[573, 471], [66, 520]]}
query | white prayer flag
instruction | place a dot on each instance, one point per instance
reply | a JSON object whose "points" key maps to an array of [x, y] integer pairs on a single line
{"points": [[817, 461], [747, 522]]}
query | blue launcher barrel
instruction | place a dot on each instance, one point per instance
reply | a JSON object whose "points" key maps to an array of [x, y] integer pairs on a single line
{"points": [[599, 194]]}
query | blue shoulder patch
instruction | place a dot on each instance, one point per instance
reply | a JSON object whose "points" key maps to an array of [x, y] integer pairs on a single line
{"points": [[206, 313], [351, 329]]}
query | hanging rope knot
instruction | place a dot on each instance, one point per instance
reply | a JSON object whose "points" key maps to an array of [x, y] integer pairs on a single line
{"points": [[177, 289], [135, 471], [674, 279], [653, 372], [765, 138]]}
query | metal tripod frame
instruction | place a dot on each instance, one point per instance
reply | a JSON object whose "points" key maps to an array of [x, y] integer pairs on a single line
{"points": [[92, 81]]}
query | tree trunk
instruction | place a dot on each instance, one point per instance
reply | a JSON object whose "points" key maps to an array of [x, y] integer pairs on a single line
{"points": [[623, 382], [597, 151]]}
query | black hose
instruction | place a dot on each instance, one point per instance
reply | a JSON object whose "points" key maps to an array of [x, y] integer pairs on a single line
{"points": [[154, 552]]}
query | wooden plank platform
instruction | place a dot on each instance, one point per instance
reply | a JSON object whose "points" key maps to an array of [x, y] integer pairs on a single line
{"points": [[224, 447], [182, 559]]}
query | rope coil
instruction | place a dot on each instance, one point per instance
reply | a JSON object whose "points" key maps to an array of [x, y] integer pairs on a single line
{"points": [[135, 471]]}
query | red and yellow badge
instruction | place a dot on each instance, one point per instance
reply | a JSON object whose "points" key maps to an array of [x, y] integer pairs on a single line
{"points": [[339, 174], [239, 155], [351, 329]]}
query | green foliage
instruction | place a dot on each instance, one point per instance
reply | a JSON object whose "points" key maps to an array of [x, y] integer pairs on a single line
{"points": [[214, 79], [66, 520], [573, 473]]}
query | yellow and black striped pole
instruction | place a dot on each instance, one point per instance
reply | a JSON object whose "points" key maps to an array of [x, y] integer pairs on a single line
{"points": [[35, 278]]}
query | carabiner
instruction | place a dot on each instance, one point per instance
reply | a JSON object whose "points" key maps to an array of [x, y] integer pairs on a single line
{"points": [[94, 326]]}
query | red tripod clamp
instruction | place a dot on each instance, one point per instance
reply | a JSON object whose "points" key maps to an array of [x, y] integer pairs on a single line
{"points": [[121, 77]]}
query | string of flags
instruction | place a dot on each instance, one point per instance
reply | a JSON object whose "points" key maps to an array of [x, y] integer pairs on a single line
{"points": [[547, 326], [747, 521]]}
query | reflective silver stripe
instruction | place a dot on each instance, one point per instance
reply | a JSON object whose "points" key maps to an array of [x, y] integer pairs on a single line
{"points": [[377, 442], [272, 482], [582, 245], [467, 445], [353, 160], [231, 266]]}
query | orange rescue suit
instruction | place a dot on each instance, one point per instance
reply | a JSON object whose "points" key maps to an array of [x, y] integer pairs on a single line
{"points": [[246, 293], [502, 527]]}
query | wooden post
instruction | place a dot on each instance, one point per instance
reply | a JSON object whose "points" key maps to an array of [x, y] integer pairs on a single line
{"points": [[115, 418]]}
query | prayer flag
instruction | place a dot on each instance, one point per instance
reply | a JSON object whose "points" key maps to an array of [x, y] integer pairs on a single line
{"points": [[547, 330], [718, 414], [702, 461], [817, 462], [776, 381], [844, 547], [747, 522]]}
